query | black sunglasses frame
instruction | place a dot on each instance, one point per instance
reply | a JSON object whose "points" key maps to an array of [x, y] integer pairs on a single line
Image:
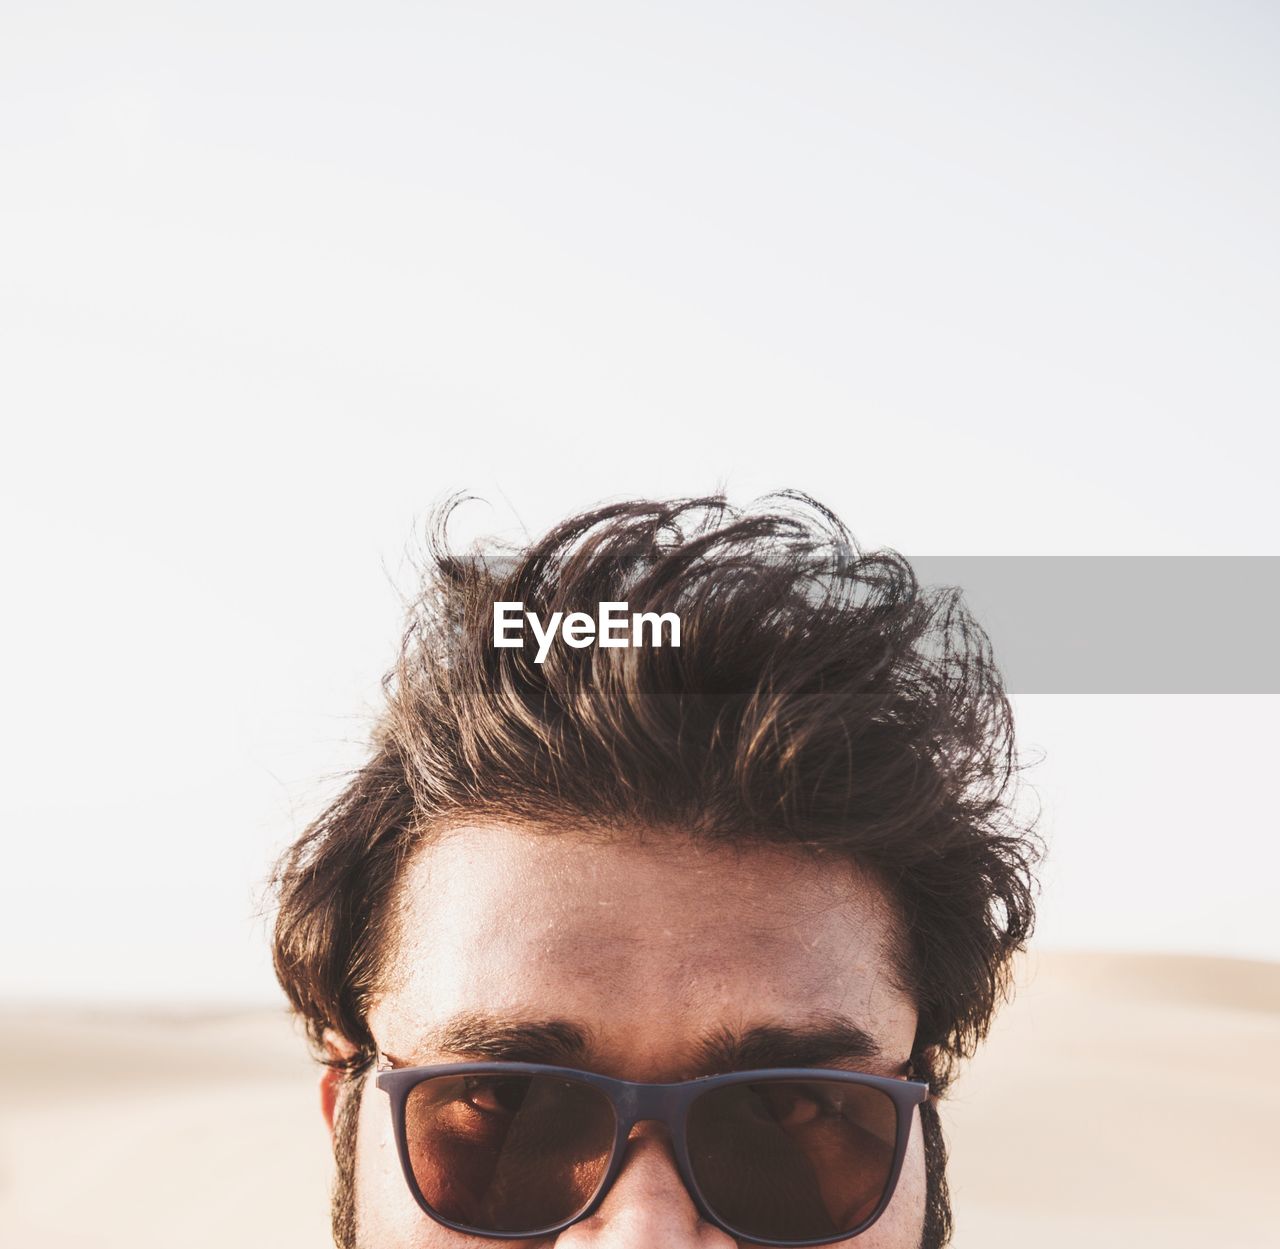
{"points": [[668, 1104]]}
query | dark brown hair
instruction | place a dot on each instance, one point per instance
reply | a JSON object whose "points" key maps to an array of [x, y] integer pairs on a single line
{"points": [[819, 698]]}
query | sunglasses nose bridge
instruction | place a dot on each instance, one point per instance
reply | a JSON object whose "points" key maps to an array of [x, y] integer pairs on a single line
{"points": [[639, 1103]]}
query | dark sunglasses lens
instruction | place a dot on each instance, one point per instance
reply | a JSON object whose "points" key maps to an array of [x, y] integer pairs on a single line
{"points": [[518, 1154], [793, 1160]]}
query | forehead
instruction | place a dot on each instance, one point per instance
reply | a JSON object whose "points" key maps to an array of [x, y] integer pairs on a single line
{"points": [[647, 944]]}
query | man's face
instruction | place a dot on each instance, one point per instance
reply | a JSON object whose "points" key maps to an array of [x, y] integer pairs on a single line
{"points": [[649, 950]]}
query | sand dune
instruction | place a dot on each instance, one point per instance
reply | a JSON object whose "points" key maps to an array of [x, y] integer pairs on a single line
{"points": [[1126, 1101], [1121, 1101]]}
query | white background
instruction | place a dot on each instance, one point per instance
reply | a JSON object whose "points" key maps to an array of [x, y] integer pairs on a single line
{"points": [[987, 278]]}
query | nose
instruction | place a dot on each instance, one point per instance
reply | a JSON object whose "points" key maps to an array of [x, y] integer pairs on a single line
{"points": [[648, 1205]]}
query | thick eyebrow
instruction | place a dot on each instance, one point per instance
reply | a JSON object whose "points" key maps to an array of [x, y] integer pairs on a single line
{"points": [[816, 1042], [476, 1035]]}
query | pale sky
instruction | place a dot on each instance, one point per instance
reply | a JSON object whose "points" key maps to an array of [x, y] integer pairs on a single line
{"points": [[987, 279]]}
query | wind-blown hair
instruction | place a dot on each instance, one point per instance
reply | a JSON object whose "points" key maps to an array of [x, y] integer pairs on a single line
{"points": [[820, 698]]}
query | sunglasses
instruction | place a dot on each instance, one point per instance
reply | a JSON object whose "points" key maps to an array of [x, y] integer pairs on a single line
{"points": [[781, 1156]]}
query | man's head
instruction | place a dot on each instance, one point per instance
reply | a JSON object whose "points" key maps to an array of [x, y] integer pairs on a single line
{"points": [[784, 843]]}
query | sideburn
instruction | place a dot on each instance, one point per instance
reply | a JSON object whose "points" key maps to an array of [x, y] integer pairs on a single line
{"points": [[342, 1209], [937, 1197]]}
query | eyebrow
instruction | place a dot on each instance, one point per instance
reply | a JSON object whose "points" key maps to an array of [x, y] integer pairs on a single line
{"points": [[818, 1042], [821, 1040]]}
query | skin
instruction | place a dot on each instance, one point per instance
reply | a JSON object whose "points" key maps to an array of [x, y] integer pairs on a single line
{"points": [[648, 946]]}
